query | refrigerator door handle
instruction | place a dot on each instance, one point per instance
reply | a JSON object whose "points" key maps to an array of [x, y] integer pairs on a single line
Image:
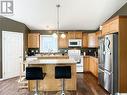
{"points": [[101, 70], [104, 71], [109, 73]]}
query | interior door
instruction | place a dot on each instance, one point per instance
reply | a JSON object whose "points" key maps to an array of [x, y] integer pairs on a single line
{"points": [[12, 53]]}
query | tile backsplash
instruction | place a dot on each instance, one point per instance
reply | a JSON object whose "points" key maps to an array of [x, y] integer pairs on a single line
{"points": [[32, 51]]}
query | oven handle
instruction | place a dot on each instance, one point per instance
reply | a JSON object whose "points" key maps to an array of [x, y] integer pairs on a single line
{"points": [[78, 62]]}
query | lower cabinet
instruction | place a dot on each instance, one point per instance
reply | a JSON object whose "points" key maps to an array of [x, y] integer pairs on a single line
{"points": [[91, 65]]}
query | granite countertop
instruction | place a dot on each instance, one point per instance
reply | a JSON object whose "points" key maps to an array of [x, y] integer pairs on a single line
{"points": [[90, 56], [47, 56], [52, 61]]}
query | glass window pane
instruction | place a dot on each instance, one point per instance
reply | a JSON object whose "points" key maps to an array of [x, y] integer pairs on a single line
{"points": [[48, 43]]}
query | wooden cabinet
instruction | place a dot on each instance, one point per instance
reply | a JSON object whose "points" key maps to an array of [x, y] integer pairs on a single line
{"points": [[33, 40], [86, 64], [98, 34], [74, 35], [85, 40], [96, 67], [105, 29], [63, 42], [114, 26], [71, 35], [91, 65], [110, 26], [92, 40], [78, 35]]}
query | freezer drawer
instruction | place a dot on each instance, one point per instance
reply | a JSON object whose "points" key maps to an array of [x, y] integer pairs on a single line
{"points": [[105, 80]]}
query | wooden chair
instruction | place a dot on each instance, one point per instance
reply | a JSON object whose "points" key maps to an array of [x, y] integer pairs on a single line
{"points": [[22, 82]]}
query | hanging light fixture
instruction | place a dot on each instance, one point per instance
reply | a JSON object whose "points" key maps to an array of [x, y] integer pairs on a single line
{"points": [[62, 35], [55, 34]]}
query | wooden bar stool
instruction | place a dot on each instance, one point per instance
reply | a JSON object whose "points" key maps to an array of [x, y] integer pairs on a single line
{"points": [[35, 73], [63, 72]]}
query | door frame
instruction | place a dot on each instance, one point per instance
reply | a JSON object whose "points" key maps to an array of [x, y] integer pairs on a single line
{"points": [[3, 66]]}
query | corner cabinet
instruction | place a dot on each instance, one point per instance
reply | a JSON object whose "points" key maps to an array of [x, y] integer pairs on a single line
{"points": [[33, 40], [91, 65], [63, 42], [74, 35]]}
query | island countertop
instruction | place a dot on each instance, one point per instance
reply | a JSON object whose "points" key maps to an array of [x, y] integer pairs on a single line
{"points": [[50, 83], [52, 61]]}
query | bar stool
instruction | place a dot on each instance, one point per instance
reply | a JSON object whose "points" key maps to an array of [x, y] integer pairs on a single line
{"points": [[63, 72], [35, 73]]}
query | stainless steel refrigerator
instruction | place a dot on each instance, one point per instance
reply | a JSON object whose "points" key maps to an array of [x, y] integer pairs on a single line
{"points": [[108, 62]]}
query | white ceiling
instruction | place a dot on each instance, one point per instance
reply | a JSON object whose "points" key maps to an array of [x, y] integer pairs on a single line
{"points": [[74, 14]]}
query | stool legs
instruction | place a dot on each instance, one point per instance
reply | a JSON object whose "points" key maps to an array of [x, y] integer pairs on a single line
{"points": [[36, 87], [62, 90]]}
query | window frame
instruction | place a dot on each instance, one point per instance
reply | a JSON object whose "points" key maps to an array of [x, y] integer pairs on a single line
{"points": [[48, 51]]}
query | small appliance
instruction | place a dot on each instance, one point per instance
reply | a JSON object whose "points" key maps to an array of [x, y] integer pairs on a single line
{"points": [[75, 43]]}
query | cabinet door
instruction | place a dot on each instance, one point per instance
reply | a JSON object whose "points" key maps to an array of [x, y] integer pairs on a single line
{"points": [[105, 29], [86, 64], [92, 64], [85, 40], [96, 67], [114, 26], [78, 35], [71, 35], [63, 42], [98, 34], [92, 40], [33, 40]]}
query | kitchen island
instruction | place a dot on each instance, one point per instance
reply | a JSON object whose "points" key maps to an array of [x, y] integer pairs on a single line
{"points": [[49, 83]]}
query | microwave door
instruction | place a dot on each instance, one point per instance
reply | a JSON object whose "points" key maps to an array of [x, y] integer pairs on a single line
{"points": [[73, 43]]}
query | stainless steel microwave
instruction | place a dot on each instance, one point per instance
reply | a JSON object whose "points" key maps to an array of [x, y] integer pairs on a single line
{"points": [[75, 43]]}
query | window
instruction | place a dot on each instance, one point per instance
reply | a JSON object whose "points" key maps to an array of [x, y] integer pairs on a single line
{"points": [[48, 43]]}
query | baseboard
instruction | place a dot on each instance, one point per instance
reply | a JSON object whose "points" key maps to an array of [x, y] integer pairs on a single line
{"points": [[2, 79]]}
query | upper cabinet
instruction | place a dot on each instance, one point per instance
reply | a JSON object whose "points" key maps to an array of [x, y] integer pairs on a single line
{"points": [[85, 40], [63, 42], [33, 40], [74, 35], [78, 35], [98, 34], [92, 40], [110, 26]]}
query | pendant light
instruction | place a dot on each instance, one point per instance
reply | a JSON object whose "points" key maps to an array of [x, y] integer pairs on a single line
{"points": [[55, 34], [62, 35]]}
